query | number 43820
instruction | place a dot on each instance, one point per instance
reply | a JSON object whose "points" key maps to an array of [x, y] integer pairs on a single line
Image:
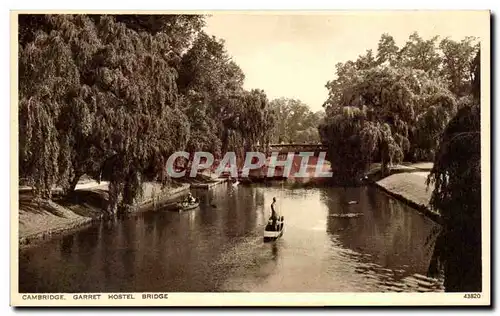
{"points": [[472, 295]]}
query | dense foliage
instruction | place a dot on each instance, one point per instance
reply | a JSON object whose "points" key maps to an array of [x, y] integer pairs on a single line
{"points": [[296, 123], [113, 96], [395, 105], [456, 176]]}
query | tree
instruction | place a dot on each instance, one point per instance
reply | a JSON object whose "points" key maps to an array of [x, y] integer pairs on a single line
{"points": [[421, 54], [204, 129], [255, 118], [382, 106], [341, 130], [457, 64], [182, 29], [476, 78], [211, 84], [294, 118], [366, 61], [456, 176], [30, 24], [47, 75], [106, 101], [457, 195], [227, 116], [387, 51]]}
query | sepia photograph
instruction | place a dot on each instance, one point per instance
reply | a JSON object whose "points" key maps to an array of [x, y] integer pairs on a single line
{"points": [[250, 158]]}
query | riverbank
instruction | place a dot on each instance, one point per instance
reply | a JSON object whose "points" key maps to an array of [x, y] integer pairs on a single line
{"points": [[40, 219], [410, 187], [205, 180]]}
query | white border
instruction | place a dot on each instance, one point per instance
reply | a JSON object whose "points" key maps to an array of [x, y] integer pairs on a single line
{"points": [[311, 4]]}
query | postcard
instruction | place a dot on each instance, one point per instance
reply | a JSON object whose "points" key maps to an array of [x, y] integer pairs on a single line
{"points": [[259, 158]]}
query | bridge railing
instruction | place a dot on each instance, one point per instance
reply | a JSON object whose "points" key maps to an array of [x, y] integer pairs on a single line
{"points": [[286, 148]]}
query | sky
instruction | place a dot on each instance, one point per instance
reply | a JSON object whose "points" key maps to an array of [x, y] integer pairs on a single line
{"points": [[293, 55]]}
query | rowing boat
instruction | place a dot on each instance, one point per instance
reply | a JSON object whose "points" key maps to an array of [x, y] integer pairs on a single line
{"points": [[185, 206]]}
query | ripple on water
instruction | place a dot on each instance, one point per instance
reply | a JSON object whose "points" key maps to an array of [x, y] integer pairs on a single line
{"points": [[378, 278], [393, 281]]}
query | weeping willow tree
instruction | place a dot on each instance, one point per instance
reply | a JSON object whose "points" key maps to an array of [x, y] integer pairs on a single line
{"points": [[249, 122], [113, 97], [48, 75], [101, 99], [341, 131], [456, 176], [140, 122], [255, 119], [458, 166], [379, 113]]}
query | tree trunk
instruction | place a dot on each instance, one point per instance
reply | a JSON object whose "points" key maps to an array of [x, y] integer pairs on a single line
{"points": [[114, 193], [247, 146], [411, 151], [384, 161], [225, 141], [74, 182]]}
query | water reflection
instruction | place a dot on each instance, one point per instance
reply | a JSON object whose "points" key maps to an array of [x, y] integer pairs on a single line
{"points": [[390, 235], [456, 258], [275, 251], [219, 247], [67, 245]]}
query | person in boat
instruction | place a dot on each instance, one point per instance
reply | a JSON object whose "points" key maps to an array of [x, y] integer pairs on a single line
{"points": [[274, 214], [190, 198]]}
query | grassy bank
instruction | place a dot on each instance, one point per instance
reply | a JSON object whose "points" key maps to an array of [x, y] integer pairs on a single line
{"points": [[409, 186], [40, 219]]}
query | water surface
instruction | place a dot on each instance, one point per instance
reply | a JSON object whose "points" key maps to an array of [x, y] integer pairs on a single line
{"points": [[384, 246]]}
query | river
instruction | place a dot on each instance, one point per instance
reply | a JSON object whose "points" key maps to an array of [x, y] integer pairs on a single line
{"points": [[219, 247]]}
